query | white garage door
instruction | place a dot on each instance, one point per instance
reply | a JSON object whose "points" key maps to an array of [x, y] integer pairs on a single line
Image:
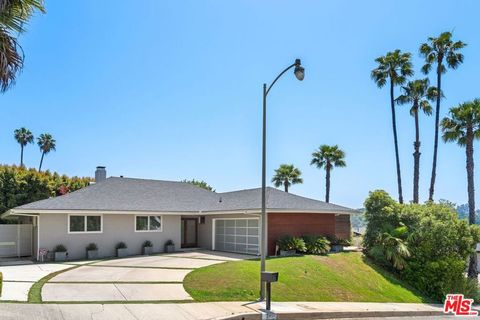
{"points": [[236, 235]]}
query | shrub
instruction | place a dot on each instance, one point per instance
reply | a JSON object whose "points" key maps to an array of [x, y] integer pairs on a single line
{"points": [[426, 245], [316, 244], [169, 243], [339, 241], [148, 243], [60, 248], [91, 246], [345, 242], [288, 243], [121, 245]]}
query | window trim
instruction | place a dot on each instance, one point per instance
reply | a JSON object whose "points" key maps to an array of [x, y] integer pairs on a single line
{"points": [[148, 223], [85, 222]]}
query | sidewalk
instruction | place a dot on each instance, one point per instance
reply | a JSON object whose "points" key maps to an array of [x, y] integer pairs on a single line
{"points": [[211, 310]]}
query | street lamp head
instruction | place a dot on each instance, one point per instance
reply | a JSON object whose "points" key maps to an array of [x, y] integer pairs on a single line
{"points": [[299, 70]]}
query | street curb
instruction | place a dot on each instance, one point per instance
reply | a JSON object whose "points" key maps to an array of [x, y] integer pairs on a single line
{"points": [[337, 315]]}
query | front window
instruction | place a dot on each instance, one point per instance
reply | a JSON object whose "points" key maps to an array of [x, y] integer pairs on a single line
{"points": [[148, 223], [89, 223]]}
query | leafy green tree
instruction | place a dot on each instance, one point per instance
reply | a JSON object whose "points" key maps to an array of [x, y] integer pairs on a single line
{"points": [[200, 183], [381, 214], [23, 137], [14, 14], [328, 157], [438, 242], [286, 175], [394, 67], [417, 93], [46, 144], [438, 51], [463, 127], [19, 186]]}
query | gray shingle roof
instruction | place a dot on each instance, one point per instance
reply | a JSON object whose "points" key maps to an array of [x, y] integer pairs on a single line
{"points": [[127, 194]]}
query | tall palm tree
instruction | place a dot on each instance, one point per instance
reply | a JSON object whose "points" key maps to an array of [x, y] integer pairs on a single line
{"points": [[286, 175], [23, 137], [463, 127], [46, 144], [328, 157], [394, 67], [13, 16], [417, 93], [436, 51]]}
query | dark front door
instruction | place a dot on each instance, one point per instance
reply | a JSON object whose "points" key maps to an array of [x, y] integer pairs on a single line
{"points": [[189, 232]]}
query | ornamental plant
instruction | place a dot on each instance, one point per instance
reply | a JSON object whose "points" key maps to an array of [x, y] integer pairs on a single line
{"points": [[288, 243], [316, 244]]}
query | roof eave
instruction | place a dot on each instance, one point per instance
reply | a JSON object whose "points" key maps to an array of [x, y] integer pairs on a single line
{"points": [[20, 211]]}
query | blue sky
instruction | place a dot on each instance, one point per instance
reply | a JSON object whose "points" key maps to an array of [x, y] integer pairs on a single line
{"points": [[172, 90]]}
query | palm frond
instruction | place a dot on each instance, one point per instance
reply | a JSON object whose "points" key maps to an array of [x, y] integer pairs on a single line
{"points": [[11, 59]]}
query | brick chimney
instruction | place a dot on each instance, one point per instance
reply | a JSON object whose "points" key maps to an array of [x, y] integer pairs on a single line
{"points": [[100, 174]]}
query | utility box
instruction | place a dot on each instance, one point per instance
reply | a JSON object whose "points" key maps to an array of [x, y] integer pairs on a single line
{"points": [[268, 276]]}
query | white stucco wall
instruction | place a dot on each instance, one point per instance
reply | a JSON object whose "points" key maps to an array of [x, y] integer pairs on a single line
{"points": [[116, 228]]}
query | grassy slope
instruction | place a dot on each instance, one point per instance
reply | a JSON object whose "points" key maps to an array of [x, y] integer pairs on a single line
{"points": [[337, 277]]}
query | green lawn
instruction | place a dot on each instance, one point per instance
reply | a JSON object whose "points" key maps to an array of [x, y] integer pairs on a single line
{"points": [[337, 277]]}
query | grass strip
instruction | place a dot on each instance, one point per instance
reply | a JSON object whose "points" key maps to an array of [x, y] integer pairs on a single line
{"points": [[35, 292], [104, 302], [116, 282]]}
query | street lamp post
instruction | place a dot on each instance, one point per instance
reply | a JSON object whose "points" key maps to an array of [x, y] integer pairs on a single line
{"points": [[299, 72]]}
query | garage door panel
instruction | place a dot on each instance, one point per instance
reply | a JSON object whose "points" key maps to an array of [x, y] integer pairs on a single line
{"points": [[253, 223], [241, 231], [237, 235]]}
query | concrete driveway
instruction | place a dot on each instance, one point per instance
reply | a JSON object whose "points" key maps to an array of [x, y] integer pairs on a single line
{"points": [[139, 278], [17, 279]]}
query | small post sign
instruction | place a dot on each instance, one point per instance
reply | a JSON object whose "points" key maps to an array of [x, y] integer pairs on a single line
{"points": [[268, 278]]}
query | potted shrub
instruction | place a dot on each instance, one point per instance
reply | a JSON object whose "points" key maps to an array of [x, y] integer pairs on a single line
{"points": [[338, 244], [92, 251], [289, 246], [147, 247], [60, 253], [121, 249], [316, 245], [169, 246]]}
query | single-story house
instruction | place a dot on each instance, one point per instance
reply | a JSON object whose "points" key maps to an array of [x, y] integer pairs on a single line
{"points": [[131, 210]]}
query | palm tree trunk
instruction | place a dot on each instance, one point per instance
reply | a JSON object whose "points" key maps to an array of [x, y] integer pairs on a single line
{"points": [[416, 159], [472, 267], [285, 184], [437, 121], [395, 140], [327, 184], [21, 155], [41, 161]]}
